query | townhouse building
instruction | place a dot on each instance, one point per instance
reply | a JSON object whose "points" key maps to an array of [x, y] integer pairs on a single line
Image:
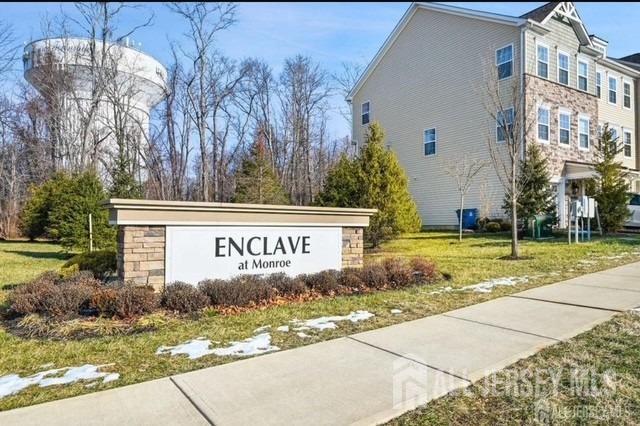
{"points": [[425, 88]]}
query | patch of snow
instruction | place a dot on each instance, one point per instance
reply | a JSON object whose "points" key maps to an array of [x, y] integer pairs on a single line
{"points": [[194, 349], [283, 328], [446, 289], [588, 262], [329, 323], [302, 335], [261, 329], [198, 348], [252, 346], [488, 286], [395, 311], [12, 384]]}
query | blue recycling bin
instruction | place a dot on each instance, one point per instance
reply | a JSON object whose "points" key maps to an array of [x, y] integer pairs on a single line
{"points": [[469, 218]]}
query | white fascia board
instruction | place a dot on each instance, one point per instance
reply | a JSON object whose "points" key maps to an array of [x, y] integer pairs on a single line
{"points": [[628, 71], [467, 13]]}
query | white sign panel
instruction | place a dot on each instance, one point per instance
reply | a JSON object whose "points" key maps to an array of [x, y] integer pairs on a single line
{"points": [[195, 253]]}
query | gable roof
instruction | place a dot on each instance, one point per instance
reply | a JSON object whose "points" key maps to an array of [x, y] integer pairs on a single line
{"points": [[635, 58], [540, 13], [437, 7]]}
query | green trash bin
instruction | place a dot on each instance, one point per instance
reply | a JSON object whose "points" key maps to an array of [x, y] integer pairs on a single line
{"points": [[542, 226]]}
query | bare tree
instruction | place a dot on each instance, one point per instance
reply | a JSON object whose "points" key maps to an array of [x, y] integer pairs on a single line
{"points": [[505, 104], [8, 47], [205, 20], [346, 79], [464, 171]]}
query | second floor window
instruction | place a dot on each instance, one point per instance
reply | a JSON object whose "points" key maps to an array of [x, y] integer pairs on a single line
{"points": [[504, 62], [613, 90], [599, 84], [583, 75], [564, 126], [583, 130], [543, 61], [365, 113], [626, 89], [430, 142], [627, 143], [543, 124], [504, 124], [563, 68]]}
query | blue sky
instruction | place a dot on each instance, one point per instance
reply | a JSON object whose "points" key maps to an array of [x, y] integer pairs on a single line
{"points": [[329, 32]]}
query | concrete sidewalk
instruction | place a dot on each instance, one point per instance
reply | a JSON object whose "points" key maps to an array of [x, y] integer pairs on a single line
{"points": [[366, 378]]}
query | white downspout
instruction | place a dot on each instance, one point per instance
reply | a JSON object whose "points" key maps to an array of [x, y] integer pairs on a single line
{"points": [[522, 92]]}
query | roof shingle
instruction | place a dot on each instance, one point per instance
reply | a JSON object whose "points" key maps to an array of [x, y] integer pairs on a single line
{"points": [[541, 12]]}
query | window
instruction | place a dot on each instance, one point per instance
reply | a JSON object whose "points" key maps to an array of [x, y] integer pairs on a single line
{"points": [[583, 75], [583, 130], [564, 125], [563, 68], [504, 62], [627, 143], [613, 90], [626, 92], [365, 113], [614, 138], [599, 84], [430, 142], [504, 122], [543, 61], [543, 124]]}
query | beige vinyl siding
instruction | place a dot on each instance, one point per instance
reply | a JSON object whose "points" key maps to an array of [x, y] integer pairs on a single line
{"points": [[563, 38], [431, 77], [616, 115]]}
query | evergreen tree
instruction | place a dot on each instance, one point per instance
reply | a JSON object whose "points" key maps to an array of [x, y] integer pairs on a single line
{"points": [[374, 180], [537, 196], [256, 181], [59, 209], [124, 184], [609, 187]]}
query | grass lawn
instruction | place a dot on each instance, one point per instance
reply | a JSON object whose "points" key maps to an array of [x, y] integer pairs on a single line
{"points": [[21, 260], [133, 356], [591, 379]]}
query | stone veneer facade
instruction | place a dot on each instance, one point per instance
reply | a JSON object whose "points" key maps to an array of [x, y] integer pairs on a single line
{"points": [[141, 253], [555, 95]]}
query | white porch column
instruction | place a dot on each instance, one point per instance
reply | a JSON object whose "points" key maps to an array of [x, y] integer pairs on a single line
{"points": [[561, 202]]}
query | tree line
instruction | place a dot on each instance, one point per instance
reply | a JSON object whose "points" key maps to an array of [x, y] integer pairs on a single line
{"points": [[216, 113]]}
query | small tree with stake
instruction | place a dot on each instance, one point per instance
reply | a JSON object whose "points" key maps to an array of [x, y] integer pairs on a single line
{"points": [[463, 171], [609, 188]]}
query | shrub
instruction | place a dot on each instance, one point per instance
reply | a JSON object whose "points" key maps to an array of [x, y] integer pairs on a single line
{"points": [[102, 263], [134, 300], [183, 298], [399, 272], [351, 278], [492, 227], [105, 301], [374, 276], [505, 226], [52, 296], [424, 270], [239, 291], [286, 285], [324, 282], [60, 207]]}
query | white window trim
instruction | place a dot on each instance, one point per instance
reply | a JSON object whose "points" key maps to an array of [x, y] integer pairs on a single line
{"points": [[584, 117], [626, 131], [538, 59], [548, 109], [578, 62], [609, 77], [564, 111], [599, 73], [362, 113], [513, 54], [625, 81], [497, 127], [560, 52], [435, 142]]}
